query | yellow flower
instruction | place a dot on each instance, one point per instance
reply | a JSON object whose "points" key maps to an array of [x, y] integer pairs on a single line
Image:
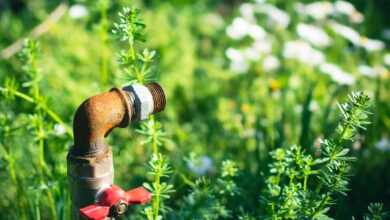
{"points": [[274, 85]]}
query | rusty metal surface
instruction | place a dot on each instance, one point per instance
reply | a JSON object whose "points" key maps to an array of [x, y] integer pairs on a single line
{"points": [[87, 175], [158, 96], [98, 115], [90, 163], [94, 119]]}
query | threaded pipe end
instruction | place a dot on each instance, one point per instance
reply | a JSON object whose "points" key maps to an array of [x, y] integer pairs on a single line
{"points": [[158, 96]]}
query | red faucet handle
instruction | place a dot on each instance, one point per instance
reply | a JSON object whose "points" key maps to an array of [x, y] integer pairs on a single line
{"points": [[111, 196], [113, 201], [95, 212], [138, 195]]}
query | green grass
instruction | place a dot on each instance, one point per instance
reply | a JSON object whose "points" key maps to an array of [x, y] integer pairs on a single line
{"points": [[228, 145]]}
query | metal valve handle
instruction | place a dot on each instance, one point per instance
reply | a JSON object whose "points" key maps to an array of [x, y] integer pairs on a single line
{"points": [[113, 202]]}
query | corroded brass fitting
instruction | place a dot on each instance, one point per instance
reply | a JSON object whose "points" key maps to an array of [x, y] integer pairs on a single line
{"points": [[90, 162]]}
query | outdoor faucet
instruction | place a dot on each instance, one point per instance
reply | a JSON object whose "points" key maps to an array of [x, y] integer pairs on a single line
{"points": [[90, 162]]}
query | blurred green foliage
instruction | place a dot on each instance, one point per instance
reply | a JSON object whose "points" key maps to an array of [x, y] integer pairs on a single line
{"points": [[220, 126]]}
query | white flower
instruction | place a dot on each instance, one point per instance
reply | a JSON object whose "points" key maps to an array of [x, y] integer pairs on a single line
{"points": [[321, 10], [263, 46], [356, 17], [318, 10], [256, 32], [234, 54], [247, 12], [299, 7], [276, 16], [59, 129], [346, 32], [303, 52], [372, 45], [353, 36], [252, 54], [367, 71], [78, 11], [200, 166], [239, 63], [255, 51], [337, 74], [239, 66], [313, 35], [344, 7], [270, 63], [386, 59], [238, 29], [383, 144]]}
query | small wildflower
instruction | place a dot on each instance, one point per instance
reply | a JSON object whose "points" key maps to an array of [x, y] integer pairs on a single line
{"points": [[372, 45], [344, 7], [263, 46], [318, 10], [239, 63], [346, 32], [239, 66], [337, 74], [260, 1], [271, 63], [256, 32], [356, 17], [383, 144], [252, 54], [78, 11], [367, 71], [303, 52], [276, 16], [247, 12], [246, 108], [59, 129], [314, 35], [238, 29], [200, 166], [274, 85]]}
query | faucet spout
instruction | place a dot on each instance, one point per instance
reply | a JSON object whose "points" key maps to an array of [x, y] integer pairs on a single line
{"points": [[90, 163]]}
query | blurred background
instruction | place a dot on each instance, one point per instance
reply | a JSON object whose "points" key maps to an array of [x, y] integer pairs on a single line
{"points": [[242, 78]]}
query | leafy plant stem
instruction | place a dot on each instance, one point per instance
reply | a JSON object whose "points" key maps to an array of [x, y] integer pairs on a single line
{"points": [[157, 193], [46, 109]]}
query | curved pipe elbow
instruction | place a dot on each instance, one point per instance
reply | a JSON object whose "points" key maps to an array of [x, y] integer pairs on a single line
{"points": [[97, 116]]}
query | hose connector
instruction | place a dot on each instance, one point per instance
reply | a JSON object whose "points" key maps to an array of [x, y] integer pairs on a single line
{"points": [[147, 99]]}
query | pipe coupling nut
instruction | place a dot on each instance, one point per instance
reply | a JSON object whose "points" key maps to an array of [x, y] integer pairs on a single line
{"points": [[142, 99]]}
